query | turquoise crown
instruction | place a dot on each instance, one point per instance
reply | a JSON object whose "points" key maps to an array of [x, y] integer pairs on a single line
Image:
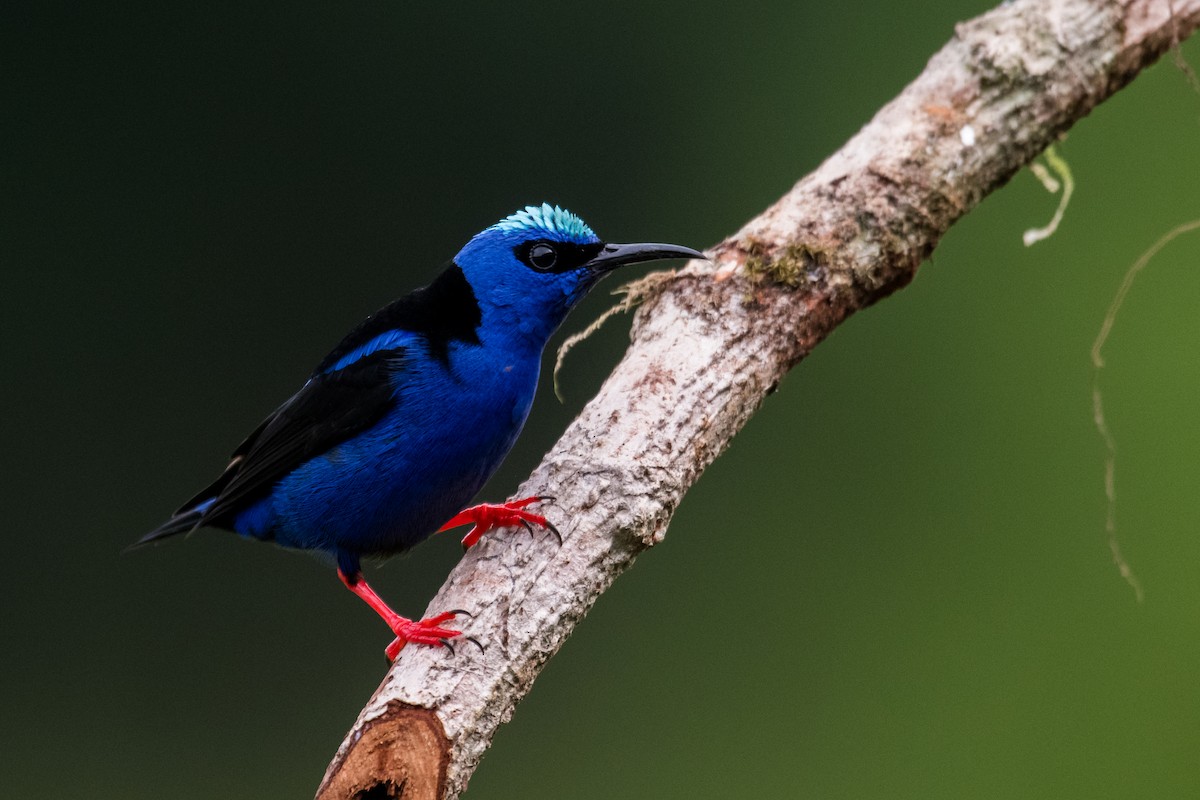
{"points": [[549, 219]]}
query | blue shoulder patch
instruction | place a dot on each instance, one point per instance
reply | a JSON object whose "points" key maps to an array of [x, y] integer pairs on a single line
{"points": [[550, 219], [389, 340]]}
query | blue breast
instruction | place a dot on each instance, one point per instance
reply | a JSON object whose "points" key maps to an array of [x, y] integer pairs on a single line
{"points": [[392, 485]]}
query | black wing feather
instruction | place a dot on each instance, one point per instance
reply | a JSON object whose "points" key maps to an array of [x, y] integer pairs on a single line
{"points": [[330, 409], [235, 461]]}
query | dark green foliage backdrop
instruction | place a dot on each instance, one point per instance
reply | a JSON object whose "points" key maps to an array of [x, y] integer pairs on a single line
{"points": [[895, 584]]}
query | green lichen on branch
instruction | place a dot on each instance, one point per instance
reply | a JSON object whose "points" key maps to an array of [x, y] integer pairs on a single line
{"points": [[790, 265]]}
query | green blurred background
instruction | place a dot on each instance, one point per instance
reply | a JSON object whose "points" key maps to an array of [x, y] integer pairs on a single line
{"points": [[894, 585]]}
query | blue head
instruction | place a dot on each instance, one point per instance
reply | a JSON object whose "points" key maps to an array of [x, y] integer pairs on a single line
{"points": [[529, 269]]}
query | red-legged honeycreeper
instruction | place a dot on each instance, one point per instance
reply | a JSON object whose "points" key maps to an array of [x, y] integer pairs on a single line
{"points": [[403, 422]]}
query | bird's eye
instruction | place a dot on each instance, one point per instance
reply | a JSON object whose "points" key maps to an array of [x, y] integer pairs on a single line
{"points": [[542, 256]]}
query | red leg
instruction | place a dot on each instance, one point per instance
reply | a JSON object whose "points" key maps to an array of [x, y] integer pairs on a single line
{"points": [[489, 516], [426, 631]]}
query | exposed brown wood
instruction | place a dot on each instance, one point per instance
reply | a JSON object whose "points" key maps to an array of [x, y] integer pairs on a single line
{"points": [[400, 755]]}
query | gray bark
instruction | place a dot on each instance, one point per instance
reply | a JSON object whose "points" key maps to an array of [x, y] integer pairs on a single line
{"points": [[714, 339]]}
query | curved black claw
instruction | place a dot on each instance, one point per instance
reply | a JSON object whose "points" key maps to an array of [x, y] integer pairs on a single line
{"points": [[542, 498], [550, 527], [475, 642], [462, 611], [446, 644], [526, 525]]}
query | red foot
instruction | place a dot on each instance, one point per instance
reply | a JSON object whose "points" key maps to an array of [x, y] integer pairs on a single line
{"points": [[426, 631], [490, 516]]}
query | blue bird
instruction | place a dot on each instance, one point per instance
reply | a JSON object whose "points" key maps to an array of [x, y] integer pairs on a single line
{"points": [[403, 422]]}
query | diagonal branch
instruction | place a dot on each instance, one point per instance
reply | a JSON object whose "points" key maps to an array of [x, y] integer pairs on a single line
{"points": [[718, 337]]}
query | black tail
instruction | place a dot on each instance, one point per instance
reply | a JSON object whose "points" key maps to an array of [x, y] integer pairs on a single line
{"points": [[184, 522]]}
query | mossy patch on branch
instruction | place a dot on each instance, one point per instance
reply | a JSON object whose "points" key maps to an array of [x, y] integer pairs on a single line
{"points": [[787, 266]]}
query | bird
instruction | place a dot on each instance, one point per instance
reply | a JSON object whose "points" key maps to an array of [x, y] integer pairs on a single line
{"points": [[401, 424]]}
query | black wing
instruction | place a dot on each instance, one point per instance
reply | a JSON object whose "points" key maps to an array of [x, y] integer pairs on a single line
{"points": [[330, 409], [335, 404]]}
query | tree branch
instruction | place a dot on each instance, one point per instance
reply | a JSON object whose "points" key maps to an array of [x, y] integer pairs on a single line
{"points": [[714, 340]]}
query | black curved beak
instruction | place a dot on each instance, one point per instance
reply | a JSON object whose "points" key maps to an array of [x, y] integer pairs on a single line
{"points": [[618, 255]]}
